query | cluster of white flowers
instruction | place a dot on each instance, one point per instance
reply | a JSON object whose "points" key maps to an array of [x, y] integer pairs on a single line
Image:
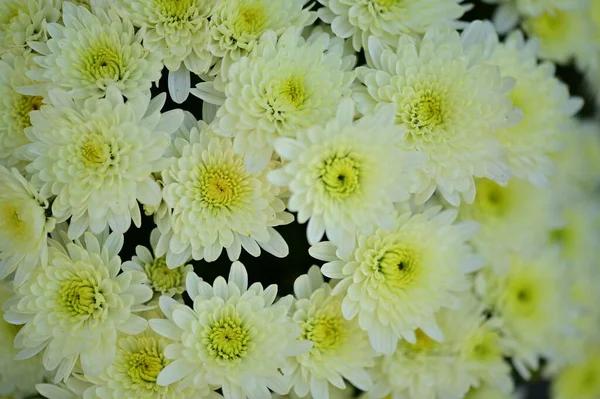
{"points": [[449, 191]]}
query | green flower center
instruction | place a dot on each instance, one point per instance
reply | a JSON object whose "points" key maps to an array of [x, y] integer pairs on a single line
{"points": [[11, 220], [227, 338], [80, 297], [551, 26], [324, 330], [161, 277], [103, 61], [385, 4], [293, 91], [491, 198], [522, 296], [144, 365], [399, 265], [251, 19], [94, 151], [222, 186], [175, 10], [23, 106], [340, 175], [426, 111], [424, 342]]}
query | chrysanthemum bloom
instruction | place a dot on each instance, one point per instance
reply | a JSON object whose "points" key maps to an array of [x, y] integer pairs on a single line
{"points": [[24, 226], [386, 19], [282, 87], [162, 279], [471, 355], [236, 26], [341, 350], [509, 12], [451, 104], [22, 21], [564, 36], [580, 380], [339, 174], [532, 302], [75, 305], [97, 156], [14, 106], [17, 377], [93, 52], [177, 32], [217, 204], [235, 338], [395, 281], [543, 99], [515, 218]]}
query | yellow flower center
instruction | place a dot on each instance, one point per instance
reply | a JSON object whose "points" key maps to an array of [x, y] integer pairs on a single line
{"points": [[548, 26], [522, 296], [293, 91], [12, 220], [144, 365], [399, 265], [103, 61], [23, 106], [324, 330], [491, 198], [227, 338], [80, 297], [340, 175], [385, 4], [423, 343], [222, 186], [425, 112], [251, 19], [94, 152], [175, 10], [486, 346], [161, 277]]}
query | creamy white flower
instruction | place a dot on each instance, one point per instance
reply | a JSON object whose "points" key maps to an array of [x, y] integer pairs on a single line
{"points": [[285, 85], [94, 51], [395, 281], [97, 157], [15, 106], [341, 350], [17, 377], [163, 280], [472, 354], [543, 99], [235, 338], [236, 26], [22, 21], [73, 307], [532, 301], [386, 19], [339, 174], [216, 203], [451, 104], [515, 218], [24, 226]]}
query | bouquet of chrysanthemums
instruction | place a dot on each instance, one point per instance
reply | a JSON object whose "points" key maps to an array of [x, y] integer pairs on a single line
{"points": [[283, 198]]}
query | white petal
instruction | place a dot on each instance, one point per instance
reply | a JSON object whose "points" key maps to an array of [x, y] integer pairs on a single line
{"points": [[179, 84], [239, 276]]}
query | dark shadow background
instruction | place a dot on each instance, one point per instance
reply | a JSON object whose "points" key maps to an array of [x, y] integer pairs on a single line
{"points": [[268, 269]]}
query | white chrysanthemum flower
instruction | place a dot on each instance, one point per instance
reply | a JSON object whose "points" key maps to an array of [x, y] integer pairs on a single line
{"points": [[509, 12], [341, 350], [93, 52], [14, 106], [282, 87], [162, 279], [396, 281], [339, 174], [543, 99], [177, 32], [217, 204], [451, 103], [532, 301], [471, 355], [386, 19], [563, 36], [24, 226], [74, 307], [516, 218], [235, 338], [22, 21], [236, 26], [97, 156], [17, 377]]}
